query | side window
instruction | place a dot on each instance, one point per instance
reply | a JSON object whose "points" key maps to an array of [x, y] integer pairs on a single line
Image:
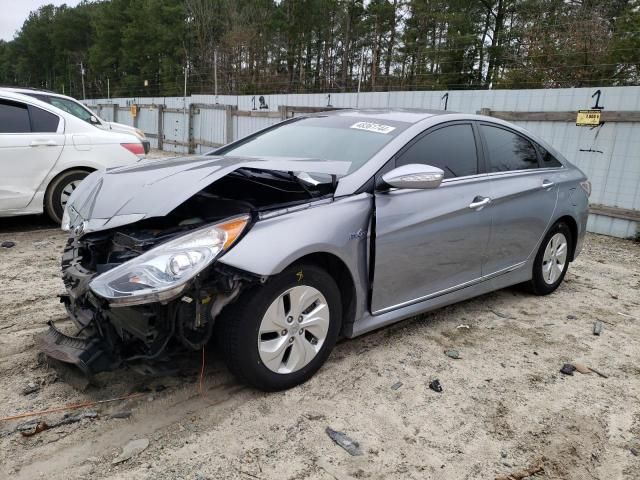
{"points": [[14, 117], [43, 121], [548, 160], [452, 149], [507, 150]]}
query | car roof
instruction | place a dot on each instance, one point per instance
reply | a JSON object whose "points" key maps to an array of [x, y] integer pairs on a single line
{"points": [[31, 91], [406, 115]]}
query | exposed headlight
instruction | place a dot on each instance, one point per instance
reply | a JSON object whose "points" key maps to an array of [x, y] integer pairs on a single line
{"points": [[162, 273]]}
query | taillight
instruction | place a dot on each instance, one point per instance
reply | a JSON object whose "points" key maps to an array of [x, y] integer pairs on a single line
{"points": [[586, 186], [135, 148]]}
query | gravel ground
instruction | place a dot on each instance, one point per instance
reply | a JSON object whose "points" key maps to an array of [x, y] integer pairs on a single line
{"points": [[504, 407]]}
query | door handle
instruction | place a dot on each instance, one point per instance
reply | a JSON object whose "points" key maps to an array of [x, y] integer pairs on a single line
{"points": [[43, 143], [547, 184], [479, 202]]}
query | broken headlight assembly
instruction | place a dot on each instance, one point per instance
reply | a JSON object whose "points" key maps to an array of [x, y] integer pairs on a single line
{"points": [[163, 272]]}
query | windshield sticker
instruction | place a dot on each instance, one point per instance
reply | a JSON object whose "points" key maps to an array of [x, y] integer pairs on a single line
{"points": [[373, 127]]}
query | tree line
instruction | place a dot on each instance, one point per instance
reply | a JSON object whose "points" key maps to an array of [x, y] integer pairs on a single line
{"points": [[149, 47]]}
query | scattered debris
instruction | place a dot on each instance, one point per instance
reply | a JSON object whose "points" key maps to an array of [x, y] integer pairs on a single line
{"points": [[634, 452], [7, 244], [41, 243], [351, 446], [520, 474], [435, 386], [453, 354], [501, 315], [134, 447], [31, 427], [463, 325], [581, 368], [597, 328], [598, 373], [571, 317], [568, 369], [125, 414], [31, 387], [625, 314], [396, 386]]}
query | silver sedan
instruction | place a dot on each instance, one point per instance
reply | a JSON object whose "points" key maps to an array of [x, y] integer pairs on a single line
{"points": [[321, 226]]}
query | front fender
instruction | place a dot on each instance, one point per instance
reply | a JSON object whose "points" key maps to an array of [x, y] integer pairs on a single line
{"points": [[341, 228]]}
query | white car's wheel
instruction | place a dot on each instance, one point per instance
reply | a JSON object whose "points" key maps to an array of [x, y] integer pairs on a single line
{"points": [[60, 190]]}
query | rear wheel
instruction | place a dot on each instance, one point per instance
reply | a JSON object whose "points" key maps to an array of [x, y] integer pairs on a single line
{"points": [[278, 335], [552, 260], [60, 190]]}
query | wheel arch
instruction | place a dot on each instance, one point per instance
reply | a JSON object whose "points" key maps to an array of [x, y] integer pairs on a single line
{"points": [[573, 227], [63, 172], [343, 277]]}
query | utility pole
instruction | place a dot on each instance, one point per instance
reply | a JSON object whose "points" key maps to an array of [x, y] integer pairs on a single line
{"points": [[360, 77], [186, 71], [84, 96], [215, 73], [184, 106], [108, 91]]}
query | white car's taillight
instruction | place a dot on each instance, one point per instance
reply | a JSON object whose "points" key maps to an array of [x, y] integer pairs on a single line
{"points": [[586, 186], [135, 148]]}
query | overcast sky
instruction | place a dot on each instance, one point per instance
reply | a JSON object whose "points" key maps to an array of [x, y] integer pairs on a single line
{"points": [[13, 13]]}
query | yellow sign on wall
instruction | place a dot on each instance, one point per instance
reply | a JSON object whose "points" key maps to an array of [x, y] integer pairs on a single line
{"points": [[134, 110], [588, 118]]}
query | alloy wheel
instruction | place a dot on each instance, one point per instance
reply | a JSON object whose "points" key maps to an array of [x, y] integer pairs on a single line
{"points": [[293, 329], [554, 259], [67, 191]]}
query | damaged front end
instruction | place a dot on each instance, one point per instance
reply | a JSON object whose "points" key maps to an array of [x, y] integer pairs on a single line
{"points": [[146, 290]]}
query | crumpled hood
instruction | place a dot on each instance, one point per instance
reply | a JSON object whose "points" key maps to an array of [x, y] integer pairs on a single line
{"points": [[153, 188]]}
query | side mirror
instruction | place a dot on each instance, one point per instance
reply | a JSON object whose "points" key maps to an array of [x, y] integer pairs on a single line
{"points": [[414, 175], [94, 120]]}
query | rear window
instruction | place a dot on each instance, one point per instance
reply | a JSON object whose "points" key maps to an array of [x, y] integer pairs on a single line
{"points": [[43, 121], [14, 117], [548, 160], [336, 138], [508, 151]]}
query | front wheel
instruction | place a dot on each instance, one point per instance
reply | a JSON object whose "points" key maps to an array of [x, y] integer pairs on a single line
{"points": [[552, 261], [60, 190], [277, 335]]}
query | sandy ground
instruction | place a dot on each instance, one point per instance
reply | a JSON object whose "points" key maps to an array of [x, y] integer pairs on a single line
{"points": [[504, 407]]}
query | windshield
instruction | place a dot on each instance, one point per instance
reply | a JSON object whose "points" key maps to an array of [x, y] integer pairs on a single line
{"points": [[348, 139], [69, 106]]}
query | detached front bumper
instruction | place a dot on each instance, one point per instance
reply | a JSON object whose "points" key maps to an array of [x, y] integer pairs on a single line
{"points": [[90, 354]]}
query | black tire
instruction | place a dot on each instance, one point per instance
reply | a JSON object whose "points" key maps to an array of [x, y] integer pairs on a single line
{"points": [[53, 197], [237, 328], [537, 284]]}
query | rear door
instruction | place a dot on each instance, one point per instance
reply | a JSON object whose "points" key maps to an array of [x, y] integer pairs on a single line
{"points": [[429, 242], [524, 195], [30, 144]]}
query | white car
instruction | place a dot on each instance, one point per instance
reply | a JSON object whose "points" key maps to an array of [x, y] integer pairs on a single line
{"points": [[45, 153], [74, 107]]}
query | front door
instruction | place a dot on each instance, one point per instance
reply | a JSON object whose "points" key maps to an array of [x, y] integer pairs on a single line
{"points": [[430, 242], [29, 148]]}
